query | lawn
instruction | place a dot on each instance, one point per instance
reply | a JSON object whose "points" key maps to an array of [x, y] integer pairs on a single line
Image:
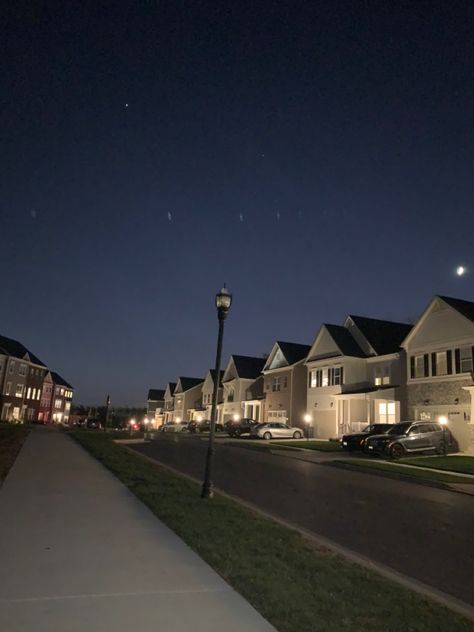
{"points": [[11, 440], [413, 472], [295, 584], [462, 464], [324, 446]]}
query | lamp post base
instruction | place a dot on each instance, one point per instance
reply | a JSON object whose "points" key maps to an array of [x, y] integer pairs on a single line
{"points": [[207, 491]]}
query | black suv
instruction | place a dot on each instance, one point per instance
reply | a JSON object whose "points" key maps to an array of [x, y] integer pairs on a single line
{"points": [[409, 436], [356, 441], [240, 427]]}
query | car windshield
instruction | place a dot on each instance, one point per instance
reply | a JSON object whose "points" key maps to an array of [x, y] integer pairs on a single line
{"points": [[367, 429], [399, 429]]}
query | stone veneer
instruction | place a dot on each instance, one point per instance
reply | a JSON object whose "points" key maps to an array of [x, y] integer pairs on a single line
{"points": [[438, 393]]}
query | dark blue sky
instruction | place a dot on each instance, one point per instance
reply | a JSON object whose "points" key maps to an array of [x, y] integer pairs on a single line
{"points": [[318, 157]]}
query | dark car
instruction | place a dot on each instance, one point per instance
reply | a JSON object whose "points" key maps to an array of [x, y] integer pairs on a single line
{"points": [[238, 427], [355, 441], [204, 426], [93, 424], [408, 437]]}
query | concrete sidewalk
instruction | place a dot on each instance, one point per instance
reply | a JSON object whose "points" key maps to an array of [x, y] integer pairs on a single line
{"points": [[78, 552]]}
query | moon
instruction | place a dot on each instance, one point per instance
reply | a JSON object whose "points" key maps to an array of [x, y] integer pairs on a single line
{"points": [[460, 270]]}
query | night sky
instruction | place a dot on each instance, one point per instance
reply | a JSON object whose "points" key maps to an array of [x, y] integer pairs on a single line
{"points": [[316, 156]]}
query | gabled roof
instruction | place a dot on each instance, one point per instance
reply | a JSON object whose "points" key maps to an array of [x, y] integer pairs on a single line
{"points": [[17, 350], [60, 381], [189, 382], [155, 395], [465, 308], [293, 351], [248, 367], [171, 386], [213, 375], [384, 336], [345, 341]]}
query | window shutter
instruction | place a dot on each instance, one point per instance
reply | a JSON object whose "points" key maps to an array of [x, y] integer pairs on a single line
{"points": [[331, 377], [342, 373], [309, 379], [449, 361], [426, 360], [457, 361], [412, 367], [433, 364]]}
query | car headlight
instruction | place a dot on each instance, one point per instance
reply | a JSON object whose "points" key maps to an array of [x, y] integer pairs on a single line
{"points": [[344, 443]]}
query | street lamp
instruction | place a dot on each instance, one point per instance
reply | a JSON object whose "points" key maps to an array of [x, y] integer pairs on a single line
{"points": [[444, 422], [223, 303], [307, 420]]}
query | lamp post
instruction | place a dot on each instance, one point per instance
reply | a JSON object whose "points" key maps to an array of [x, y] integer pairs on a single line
{"points": [[444, 422], [223, 303], [307, 421], [107, 406]]}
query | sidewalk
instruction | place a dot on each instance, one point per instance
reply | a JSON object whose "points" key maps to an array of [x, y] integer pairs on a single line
{"points": [[79, 552]]}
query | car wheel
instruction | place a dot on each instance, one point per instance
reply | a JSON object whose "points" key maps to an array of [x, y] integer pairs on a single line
{"points": [[397, 451], [441, 448], [267, 435], [236, 433], [297, 435]]}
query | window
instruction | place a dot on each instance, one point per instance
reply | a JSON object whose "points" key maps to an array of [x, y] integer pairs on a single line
{"points": [[285, 382], [382, 375], [419, 366], [312, 379], [62, 391], [28, 393], [22, 369], [230, 395], [11, 368], [337, 375], [8, 388], [387, 412], [325, 377], [441, 363], [465, 360], [276, 384], [19, 390], [57, 403], [38, 394]]}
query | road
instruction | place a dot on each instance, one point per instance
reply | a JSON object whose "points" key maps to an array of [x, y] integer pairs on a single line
{"points": [[420, 531]]}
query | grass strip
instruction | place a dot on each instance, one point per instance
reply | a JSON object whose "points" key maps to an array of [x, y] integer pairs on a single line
{"points": [[323, 446], [293, 583], [412, 472], [12, 438], [461, 464]]}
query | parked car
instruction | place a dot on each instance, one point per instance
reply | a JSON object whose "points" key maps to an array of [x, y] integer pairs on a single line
{"points": [[92, 424], [409, 436], [276, 430], [173, 426], [205, 426], [236, 428], [356, 440]]}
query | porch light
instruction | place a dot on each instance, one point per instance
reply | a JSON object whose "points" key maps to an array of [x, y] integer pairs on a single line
{"points": [[307, 419], [443, 420], [236, 417], [178, 420], [199, 418]]}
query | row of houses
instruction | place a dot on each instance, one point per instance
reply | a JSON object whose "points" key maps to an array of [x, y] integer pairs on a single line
{"points": [[29, 390], [365, 370]]}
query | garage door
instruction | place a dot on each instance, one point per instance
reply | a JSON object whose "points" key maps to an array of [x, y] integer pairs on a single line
{"points": [[277, 415]]}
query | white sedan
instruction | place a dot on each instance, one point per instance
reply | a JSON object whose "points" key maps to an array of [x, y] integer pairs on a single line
{"points": [[276, 430]]}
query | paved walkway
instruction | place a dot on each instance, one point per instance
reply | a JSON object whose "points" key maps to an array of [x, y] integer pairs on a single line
{"points": [[78, 552]]}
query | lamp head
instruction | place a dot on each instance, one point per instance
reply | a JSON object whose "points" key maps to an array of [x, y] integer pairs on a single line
{"points": [[443, 420], [223, 302]]}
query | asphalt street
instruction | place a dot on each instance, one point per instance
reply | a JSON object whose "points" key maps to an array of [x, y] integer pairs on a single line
{"points": [[423, 532]]}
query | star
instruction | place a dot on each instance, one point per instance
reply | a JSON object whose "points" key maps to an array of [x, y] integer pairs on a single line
{"points": [[126, 105]]}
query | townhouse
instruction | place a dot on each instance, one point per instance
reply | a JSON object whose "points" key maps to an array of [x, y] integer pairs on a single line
{"points": [[61, 399], [356, 375], [187, 398], [168, 409], [26, 386], [284, 383], [239, 375], [155, 405], [439, 365], [207, 392]]}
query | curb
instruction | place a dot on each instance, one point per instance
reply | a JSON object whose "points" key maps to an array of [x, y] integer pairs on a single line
{"points": [[425, 590], [398, 476]]}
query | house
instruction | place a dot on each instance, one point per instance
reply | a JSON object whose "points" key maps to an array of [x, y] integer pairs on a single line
{"points": [[208, 390], [285, 383], [187, 398], [61, 399], [239, 374], [356, 375], [440, 363], [254, 404], [155, 405], [168, 409], [21, 380], [44, 414]]}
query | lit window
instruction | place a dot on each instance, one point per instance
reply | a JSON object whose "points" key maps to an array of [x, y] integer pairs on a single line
{"points": [[28, 393], [62, 391], [325, 378], [420, 366], [382, 375], [19, 390], [58, 403], [38, 394], [312, 379], [387, 412], [8, 388]]}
